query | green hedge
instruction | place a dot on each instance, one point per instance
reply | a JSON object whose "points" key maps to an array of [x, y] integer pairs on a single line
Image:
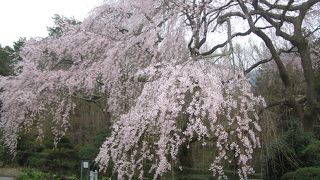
{"points": [[33, 174]]}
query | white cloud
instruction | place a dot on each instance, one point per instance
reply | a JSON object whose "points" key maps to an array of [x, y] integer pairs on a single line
{"points": [[30, 18]]}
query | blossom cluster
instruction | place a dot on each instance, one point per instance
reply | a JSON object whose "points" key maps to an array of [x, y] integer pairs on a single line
{"points": [[154, 130]]}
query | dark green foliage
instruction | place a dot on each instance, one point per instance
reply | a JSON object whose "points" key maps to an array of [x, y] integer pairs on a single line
{"points": [[5, 61], [59, 24], [296, 138], [279, 159], [26, 149], [5, 158], [311, 154], [284, 153], [288, 176], [90, 150], [306, 173], [9, 57], [60, 160], [63, 159], [33, 174], [2, 146]]}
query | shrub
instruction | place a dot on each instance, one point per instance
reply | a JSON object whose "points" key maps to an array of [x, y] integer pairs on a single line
{"points": [[33, 174], [306, 173], [60, 160], [288, 176], [42, 155], [90, 150], [4, 153], [296, 138], [311, 154], [284, 153]]}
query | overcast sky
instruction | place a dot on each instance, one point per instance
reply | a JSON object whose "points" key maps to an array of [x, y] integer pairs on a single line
{"points": [[30, 18]]}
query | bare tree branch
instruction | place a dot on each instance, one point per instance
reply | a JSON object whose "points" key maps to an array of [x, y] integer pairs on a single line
{"points": [[267, 60], [306, 5], [256, 65], [225, 43]]}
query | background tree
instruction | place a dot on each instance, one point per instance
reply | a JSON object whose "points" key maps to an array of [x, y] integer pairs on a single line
{"points": [[5, 68], [291, 22], [9, 57], [60, 22]]}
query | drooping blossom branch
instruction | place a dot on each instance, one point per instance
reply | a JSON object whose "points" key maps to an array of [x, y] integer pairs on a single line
{"points": [[153, 129]]}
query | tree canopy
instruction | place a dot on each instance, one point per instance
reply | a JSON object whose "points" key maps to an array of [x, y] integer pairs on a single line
{"points": [[9, 57], [166, 83]]}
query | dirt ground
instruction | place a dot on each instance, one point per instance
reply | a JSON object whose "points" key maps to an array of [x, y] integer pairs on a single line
{"points": [[9, 173]]}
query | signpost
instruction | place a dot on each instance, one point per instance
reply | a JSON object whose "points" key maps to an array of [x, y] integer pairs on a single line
{"points": [[85, 165], [86, 173]]}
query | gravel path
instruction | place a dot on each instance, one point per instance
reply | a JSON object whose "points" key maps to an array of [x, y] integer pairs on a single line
{"points": [[9, 173], [7, 178]]}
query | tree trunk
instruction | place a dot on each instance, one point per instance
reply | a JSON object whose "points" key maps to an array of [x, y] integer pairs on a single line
{"points": [[312, 104], [308, 72]]}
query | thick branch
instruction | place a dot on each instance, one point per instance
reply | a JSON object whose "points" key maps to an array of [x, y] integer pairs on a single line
{"points": [[267, 60], [288, 103], [306, 4], [256, 65], [213, 49], [282, 70], [259, 11], [276, 25]]}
